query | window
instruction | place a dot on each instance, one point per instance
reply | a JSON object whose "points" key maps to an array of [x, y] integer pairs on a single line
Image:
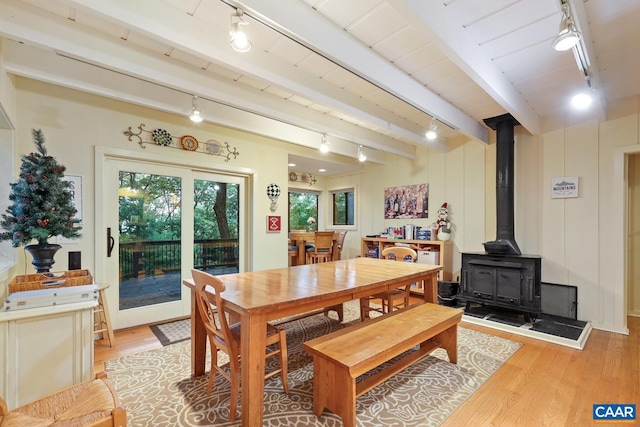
{"points": [[343, 207], [302, 206]]}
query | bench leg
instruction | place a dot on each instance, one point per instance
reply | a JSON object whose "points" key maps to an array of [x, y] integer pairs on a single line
{"points": [[449, 341], [335, 390]]}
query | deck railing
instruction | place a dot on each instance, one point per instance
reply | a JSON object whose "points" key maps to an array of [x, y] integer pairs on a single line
{"points": [[155, 257]]}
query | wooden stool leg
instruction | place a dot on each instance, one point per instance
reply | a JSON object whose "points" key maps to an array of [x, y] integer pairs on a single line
{"points": [[103, 323]]}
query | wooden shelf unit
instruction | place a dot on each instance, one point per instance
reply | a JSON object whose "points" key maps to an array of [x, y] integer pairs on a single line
{"points": [[445, 248]]}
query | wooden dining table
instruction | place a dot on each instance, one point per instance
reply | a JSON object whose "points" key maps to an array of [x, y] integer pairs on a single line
{"points": [[256, 297], [301, 238]]}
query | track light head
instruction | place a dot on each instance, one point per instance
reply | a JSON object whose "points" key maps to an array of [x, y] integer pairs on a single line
{"points": [[324, 144], [568, 36], [195, 113], [362, 157], [239, 40], [432, 132]]}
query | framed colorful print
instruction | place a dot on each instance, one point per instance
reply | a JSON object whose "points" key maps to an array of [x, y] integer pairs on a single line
{"points": [[409, 201]]}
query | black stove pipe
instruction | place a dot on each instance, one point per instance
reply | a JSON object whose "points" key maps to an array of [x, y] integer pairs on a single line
{"points": [[505, 242]]}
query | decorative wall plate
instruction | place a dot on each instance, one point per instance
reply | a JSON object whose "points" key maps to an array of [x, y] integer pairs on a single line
{"points": [[213, 146], [161, 137], [189, 142]]}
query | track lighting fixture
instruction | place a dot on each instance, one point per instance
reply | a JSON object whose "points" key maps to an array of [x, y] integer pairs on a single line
{"points": [[324, 144], [239, 40], [195, 114], [568, 36], [362, 157], [432, 132]]}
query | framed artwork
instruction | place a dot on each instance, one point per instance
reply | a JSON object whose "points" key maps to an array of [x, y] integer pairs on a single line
{"points": [[564, 187], [76, 194], [409, 201], [273, 224]]}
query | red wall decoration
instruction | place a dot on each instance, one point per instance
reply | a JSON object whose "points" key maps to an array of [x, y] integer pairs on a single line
{"points": [[273, 224]]}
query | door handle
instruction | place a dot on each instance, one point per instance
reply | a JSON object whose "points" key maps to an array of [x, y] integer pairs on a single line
{"points": [[110, 242]]}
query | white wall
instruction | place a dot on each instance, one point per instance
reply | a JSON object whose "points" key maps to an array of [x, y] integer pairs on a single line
{"points": [[577, 238], [572, 235], [74, 123]]}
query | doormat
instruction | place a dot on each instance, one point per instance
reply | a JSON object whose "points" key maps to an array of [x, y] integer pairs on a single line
{"points": [[172, 332]]}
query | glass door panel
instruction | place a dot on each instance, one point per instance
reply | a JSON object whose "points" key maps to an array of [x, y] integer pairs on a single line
{"points": [[216, 221], [149, 225], [159, 222]]}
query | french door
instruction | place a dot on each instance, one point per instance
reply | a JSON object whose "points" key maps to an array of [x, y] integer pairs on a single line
{"points": [[162, 221]]}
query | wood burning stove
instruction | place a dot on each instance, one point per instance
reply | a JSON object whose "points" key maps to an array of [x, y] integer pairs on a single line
{"points": [[507, 281], [502, 276]]}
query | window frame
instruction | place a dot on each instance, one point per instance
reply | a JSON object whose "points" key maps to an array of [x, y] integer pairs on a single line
{"points": [[330, 207], [319, 194]]}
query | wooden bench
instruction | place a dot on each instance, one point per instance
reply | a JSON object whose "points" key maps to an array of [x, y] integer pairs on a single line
{"points": [[340, 357]]}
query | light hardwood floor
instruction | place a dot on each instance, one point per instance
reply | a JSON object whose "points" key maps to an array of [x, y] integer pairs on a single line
{"points": [[543, 384]]}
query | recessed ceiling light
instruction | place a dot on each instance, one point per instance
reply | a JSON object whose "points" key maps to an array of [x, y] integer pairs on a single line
{"points": [[581, 101], [322, 170], [291, 165]]}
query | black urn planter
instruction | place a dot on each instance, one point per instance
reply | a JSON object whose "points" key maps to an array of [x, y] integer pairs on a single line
{"points": [[43, 256]]}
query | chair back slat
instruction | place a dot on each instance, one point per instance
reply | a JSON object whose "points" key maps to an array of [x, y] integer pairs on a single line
{"points": [[211, 307], [323, 241]]}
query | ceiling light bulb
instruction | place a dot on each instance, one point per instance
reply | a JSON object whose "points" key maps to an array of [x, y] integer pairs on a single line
{"points": [[581, 101], [195, 114], [432, 132], [239, 40], [362, 157], [324, 145], [566, 41]]}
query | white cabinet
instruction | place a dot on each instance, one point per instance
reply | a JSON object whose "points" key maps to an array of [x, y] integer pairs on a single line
{"points": [[44, 349]]}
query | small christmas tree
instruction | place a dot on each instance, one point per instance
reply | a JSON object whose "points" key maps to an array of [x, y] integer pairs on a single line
{"points": [[42, 202]]}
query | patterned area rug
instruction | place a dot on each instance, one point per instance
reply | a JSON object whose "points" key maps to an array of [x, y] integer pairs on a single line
{"points": [[157, 389]]}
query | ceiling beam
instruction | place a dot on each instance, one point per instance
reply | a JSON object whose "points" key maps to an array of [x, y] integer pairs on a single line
{"points": [[442, 29], [302, 23], [73, 42], [191, 35]]}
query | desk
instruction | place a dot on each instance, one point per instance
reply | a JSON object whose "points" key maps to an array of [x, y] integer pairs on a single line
{"points": [[260, 296], [299, 239]]}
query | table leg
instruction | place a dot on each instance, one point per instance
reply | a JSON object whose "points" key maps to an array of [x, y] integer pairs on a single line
{"points": [[198, 339], [431, 288], [302, 252], [253, 329]]}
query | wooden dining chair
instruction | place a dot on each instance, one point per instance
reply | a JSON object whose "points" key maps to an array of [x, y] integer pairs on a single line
{"points": [[226, 338], [340, 242], [322, 250], [293, 254], [389, 298]]}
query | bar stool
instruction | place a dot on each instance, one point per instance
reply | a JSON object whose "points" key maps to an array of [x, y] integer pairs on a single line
{"points": [[101, 321]]}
